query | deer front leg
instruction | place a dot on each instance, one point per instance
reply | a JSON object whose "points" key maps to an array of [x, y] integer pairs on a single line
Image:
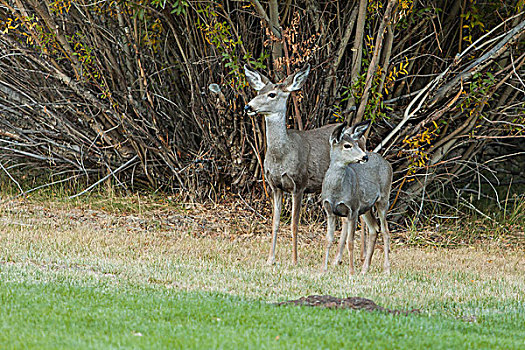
{"points": [[350, 243], [297, 198], [329, 237], [277, 206], [372, 236], [342, 241]]}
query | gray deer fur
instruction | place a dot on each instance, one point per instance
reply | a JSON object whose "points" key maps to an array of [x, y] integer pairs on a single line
{"points": [[354, 182], [295, 161]]}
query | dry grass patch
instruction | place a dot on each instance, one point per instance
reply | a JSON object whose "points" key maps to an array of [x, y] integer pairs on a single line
{"points": [[193, 247]]}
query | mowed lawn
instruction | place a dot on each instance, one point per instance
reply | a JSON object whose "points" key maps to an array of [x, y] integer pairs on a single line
{"points": [[143, 273]]}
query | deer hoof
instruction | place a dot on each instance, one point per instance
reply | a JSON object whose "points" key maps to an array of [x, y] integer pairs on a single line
{"points": [[270, 261]]}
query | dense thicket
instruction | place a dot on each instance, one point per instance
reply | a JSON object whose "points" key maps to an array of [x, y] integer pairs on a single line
{"points": [[91, 90]]}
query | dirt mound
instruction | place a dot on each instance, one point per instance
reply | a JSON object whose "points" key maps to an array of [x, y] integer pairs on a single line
{"points": [[355, 303]]}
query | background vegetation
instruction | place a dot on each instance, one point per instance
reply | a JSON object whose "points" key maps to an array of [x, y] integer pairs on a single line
{"points": [[119, 91]]}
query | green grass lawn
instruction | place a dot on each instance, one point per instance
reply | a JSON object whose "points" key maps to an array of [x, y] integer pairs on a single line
{"points": [[56, 310], [76, 275]]}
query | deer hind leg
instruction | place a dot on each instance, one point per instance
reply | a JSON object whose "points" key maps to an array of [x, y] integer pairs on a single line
{"points": [[297, 198], [329, 234], [363, 240], [381, 212], [350, 243], [277, 207], [342, 241], [373, 228]]}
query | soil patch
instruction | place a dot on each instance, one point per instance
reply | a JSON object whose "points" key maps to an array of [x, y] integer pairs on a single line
{"points": [[355, 303]]}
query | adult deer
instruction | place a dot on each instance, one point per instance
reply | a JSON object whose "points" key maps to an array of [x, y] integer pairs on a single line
{"points": [[351, 189], [295, 160]]}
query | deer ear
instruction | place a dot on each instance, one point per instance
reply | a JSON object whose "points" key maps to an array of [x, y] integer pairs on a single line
{"points": [[256, 80], [296, 81], [358, 130], [337, 133]]}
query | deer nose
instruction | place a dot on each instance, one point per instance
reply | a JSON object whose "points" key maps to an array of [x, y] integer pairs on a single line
{"points": [[248, 108], [365, 158]]}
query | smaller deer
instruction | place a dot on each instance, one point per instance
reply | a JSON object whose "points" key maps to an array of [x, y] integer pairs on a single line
{"points": [[354, 182]]}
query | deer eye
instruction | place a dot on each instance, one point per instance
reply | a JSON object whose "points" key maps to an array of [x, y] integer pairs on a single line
{"points": [[272, 94], [347, 146]]}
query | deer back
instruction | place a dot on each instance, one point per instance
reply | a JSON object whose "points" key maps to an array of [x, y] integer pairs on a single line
{"points": [[316, 143]]}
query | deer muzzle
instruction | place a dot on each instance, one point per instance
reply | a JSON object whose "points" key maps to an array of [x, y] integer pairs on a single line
{"points": [[249, 110]]}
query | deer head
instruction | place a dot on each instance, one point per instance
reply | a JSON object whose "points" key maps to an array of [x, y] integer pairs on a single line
{"points": [[271, 98], [344, 144]]}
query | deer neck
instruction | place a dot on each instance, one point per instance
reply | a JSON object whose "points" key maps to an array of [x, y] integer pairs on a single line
{"points": [[277, 138], [336, 170], [336, 173], [337, 164]]}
